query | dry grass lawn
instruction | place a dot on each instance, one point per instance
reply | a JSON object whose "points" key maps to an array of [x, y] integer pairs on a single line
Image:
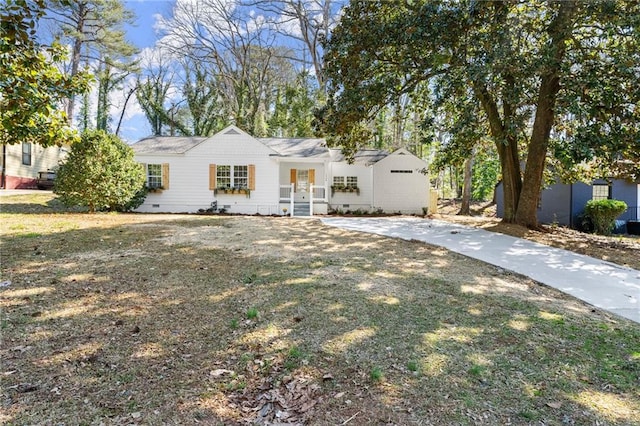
{"points": [[183, 319]]}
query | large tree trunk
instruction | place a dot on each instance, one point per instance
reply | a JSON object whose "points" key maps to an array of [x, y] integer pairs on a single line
{"points": [[560, 31], [507, 146], [511, 178]]}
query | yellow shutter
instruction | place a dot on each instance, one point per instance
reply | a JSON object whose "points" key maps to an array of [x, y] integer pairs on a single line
{"points": [[294, 178], [212, 176], [165, 175], [312, 176], [252, 176]]}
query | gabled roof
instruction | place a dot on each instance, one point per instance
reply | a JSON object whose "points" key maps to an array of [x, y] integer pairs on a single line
{"points": [[283, 147], [297, 147], [363, 156], [166, 144]]}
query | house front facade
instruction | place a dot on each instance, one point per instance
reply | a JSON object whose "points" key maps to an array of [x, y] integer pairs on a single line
{"points": [[237, 173], [21, 163]]}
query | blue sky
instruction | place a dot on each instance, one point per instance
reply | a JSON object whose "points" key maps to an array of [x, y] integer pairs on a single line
{"points": [[142, 34]]}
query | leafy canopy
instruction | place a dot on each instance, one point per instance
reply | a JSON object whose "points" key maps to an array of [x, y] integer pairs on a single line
{"points": [[515, 70], [31, 87]]}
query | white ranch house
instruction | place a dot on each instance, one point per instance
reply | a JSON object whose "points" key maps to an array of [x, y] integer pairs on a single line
{"points": [[274, 176]]}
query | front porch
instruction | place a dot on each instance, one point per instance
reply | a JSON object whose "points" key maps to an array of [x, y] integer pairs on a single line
{"points": [[308, 203]]}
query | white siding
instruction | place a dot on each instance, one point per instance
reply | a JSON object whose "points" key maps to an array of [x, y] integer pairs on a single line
{"points": [[189, 177], [354, 201], [401, 192]]}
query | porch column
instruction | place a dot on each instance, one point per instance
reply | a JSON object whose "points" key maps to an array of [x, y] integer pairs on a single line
{"points": [[291, 196], [311, 199]]}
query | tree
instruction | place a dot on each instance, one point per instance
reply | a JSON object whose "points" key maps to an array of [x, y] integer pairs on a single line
{"points": [[31, 87], [237, 51], [515, 58], [308, 23], [94, 29], [292, 115], [100, 173]]}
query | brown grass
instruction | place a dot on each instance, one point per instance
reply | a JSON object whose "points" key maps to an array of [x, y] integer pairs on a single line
{"points": [[125, 319]]}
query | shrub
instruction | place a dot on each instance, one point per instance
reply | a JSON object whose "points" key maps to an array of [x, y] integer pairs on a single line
{"points": [[603, 213], [101, 174]]}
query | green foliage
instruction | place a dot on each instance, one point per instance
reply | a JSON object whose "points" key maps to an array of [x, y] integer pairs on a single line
{"points": [[603, 213], [101, 173], [31, 86], [505, 69], [486, 170], [293, 111]]}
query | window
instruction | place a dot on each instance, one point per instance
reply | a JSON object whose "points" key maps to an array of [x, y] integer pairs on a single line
{"points": [[154, 175], [401, 171], [240, 176], [303, 180], [232, 176], [352, 181], [601, 192], [223, 176], [26, 154], [338, 180]]}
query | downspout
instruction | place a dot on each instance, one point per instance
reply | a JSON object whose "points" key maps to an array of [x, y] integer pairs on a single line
{"points": [[373, 188]]}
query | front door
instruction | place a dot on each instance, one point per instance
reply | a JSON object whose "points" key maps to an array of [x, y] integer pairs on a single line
{"points": [[302, 180]]}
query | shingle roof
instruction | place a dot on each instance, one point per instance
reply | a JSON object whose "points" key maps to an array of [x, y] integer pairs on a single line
{"points": [[363, 156], [285, 147], [297, 147], [166, 144]]}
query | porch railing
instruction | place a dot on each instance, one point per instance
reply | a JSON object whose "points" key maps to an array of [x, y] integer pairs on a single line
{"points": [[318, 193], [287, 194]]}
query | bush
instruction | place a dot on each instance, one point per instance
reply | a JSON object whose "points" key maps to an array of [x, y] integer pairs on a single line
{"points": [[603, 213], [101, 174]]}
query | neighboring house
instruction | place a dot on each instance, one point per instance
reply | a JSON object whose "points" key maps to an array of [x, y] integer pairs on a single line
{"points": [[242, 174], [21, 163], [564, 204]]}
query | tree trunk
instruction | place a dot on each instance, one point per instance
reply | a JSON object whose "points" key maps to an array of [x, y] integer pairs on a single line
{"points": [[511, 178], [507, 146], [560, 31], [465, 208], [75, 55]]}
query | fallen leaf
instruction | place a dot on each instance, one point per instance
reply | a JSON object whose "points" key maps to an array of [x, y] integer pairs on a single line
{"points": [[554, 404], [220, 372]]}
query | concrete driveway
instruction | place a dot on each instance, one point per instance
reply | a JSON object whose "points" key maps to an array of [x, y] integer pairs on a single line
{"points": [[597, 282]]}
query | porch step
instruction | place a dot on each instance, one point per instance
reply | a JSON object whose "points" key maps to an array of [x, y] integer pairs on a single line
{"points": [[301, 209]]}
